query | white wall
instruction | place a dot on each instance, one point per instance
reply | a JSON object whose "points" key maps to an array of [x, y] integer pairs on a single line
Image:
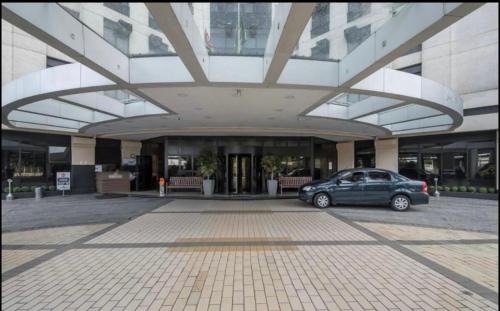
{"points": [[82, 151], [345, 155], [386, 154]]}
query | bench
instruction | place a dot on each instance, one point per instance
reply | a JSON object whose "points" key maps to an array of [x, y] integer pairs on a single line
{"points": [[185, 183], [293, 182]]}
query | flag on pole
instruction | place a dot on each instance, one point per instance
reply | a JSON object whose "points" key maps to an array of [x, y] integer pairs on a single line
{"points": [[241, 36]]}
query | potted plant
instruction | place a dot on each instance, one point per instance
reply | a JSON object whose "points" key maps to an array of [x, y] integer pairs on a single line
{"points": [[207, 161], [272, 164]]}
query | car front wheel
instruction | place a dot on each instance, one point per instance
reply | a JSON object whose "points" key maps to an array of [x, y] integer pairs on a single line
{"points": [[400, 203], [321, 200]]}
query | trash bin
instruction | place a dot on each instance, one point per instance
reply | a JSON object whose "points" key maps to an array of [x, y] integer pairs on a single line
{"points": [[38, 193]]}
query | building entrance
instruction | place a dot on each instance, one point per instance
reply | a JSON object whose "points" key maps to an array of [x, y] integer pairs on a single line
{"points": [[240, 173]]}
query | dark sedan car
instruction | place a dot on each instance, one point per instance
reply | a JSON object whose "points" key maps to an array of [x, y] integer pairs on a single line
{"points": [[366, 186]]}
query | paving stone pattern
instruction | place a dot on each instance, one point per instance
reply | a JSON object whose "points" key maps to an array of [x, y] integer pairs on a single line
{"points": [[59, 235], [477, 262], [15, 258], [309, 260], [155, 227]]}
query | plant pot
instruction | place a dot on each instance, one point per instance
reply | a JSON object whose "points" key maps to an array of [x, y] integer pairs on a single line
{"points": [[208, 187], [272, 187]]}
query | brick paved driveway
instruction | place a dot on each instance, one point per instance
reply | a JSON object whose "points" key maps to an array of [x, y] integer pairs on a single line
{"points": [[248, 255]]}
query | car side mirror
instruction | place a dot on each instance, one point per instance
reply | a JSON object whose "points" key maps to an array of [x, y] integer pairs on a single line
{"points": [[338, 182]]}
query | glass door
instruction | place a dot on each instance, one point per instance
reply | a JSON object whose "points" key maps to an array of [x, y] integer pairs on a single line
{"points": [[239, 173]]}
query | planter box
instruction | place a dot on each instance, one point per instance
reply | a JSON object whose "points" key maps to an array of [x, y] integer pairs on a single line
{"points": [[25, 195], [470, 195]]}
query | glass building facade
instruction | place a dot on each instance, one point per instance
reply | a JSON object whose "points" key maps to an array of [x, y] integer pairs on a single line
{"points": [[455, 159]]}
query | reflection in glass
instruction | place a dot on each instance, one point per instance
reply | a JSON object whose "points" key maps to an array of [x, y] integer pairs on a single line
{"points": [[342, 27], [234, 28], [364, 153], [129, 27], [179, 166]]}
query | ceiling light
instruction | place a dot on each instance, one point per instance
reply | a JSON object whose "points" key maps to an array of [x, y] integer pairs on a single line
{"points": [[182, 94], [289, 97]]}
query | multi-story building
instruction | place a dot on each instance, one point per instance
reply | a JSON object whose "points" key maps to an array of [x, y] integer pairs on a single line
{"points": [[462, 57]]}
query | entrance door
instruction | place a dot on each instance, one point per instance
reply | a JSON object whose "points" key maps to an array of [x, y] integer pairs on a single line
{"points": [[240, 177]]}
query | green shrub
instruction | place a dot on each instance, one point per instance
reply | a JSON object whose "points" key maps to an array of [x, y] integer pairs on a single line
{"points": [[462, 189], [16, 189], [52, 188], [483, 190], [492, 190], [431, 189], [471, 189], [25, 189], [454, 189], [446, 188], [45, 187], [32, 188], [440, 188]]}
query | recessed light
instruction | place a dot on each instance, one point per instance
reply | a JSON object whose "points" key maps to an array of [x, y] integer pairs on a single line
{"points": [[289, 97], [182, 94]]}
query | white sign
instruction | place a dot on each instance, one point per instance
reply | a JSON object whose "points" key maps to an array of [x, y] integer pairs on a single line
{"points": [[98, 168], [63, 180]]}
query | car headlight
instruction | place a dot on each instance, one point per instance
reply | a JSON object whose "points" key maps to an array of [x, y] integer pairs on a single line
{"points": [[308, 188]]}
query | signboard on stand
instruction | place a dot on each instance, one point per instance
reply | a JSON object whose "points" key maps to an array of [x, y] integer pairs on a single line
{"points": [[63, 181]]}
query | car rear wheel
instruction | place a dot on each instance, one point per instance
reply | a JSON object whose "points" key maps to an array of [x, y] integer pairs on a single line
{"points": [[400, 203], [321, 200]]}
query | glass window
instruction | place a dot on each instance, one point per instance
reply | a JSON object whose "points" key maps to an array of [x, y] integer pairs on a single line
{"points": [[321, 50], [152, 22], [353, 177], [379, 176], [415, 69], [120, 7], [320, 20], [356, 10], [364, 153], [296, 166], [484, 167], [179, 166], [239, 28], [431, 163], [52, 62], [355, 36], [117, 34], [26, 163], [156, 45]]}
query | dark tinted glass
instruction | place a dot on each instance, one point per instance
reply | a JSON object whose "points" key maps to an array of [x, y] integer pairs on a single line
{"points": [[379, 176]]}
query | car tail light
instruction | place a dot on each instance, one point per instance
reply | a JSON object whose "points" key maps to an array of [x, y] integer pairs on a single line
{"points": [[424, 186]]}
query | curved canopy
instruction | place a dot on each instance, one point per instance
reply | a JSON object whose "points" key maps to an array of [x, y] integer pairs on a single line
{"points": [[180, 85]]}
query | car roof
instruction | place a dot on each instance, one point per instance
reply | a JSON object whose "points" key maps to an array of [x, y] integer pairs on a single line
{"points": [[368, 169]]}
